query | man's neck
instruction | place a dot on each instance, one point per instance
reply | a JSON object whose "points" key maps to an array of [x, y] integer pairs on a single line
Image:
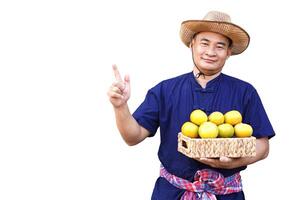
{"points": [[204, 79]]}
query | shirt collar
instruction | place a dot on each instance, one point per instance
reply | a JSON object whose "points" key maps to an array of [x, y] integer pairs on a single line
{"points": [[211, 85]]}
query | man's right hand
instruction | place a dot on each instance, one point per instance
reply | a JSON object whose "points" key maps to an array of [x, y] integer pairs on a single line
{"points": [[119, 91]]}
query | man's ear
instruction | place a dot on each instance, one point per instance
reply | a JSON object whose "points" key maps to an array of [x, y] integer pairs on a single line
{"points": [[228, 53], [193, 40], [191, 44]]}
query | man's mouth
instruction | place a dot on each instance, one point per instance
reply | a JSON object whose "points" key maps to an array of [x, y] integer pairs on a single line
{"points": [[208, 60]]}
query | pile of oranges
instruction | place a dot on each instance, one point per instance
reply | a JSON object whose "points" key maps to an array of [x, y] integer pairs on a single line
{"points": [[216, 125]]}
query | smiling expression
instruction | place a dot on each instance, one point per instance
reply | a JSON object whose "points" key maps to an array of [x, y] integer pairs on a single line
{"points": [[210, 51]]}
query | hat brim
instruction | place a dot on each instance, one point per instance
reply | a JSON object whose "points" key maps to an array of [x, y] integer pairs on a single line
{"points": [[240, 38]]}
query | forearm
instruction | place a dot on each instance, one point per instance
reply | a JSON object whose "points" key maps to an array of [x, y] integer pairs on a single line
{"points": [[130, 130]]}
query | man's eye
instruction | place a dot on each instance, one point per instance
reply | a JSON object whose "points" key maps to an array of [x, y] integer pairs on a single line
{"points": [[220, 47], [204, 44]]}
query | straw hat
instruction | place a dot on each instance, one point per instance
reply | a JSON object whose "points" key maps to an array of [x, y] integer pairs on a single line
{"points": [[217, 22]]}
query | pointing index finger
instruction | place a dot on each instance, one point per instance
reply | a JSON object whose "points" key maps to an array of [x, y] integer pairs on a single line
{"points": [[117, 73]]}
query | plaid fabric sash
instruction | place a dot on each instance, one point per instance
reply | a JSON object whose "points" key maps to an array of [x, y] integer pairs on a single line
{"points": [[207, 184]]}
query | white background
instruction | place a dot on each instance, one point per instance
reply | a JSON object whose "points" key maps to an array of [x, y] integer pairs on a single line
{"points": [[58, 138]]}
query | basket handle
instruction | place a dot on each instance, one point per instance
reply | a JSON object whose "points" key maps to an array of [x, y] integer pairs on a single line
{"points": [[183, 145]]}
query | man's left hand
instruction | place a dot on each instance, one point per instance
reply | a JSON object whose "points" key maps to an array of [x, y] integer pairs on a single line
{"points": [[222, 162]]}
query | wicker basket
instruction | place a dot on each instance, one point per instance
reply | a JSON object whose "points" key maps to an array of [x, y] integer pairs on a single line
{"points": [[216, 147]]}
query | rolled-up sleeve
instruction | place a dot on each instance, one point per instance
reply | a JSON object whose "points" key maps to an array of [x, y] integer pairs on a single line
{"points": [[147, 114], [256, 116]]}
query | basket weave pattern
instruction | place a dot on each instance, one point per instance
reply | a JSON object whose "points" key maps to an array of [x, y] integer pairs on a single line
{"points": [[216, 147]]}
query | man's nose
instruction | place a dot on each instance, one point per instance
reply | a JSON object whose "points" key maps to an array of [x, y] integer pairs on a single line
{"points": [[210, 51]]}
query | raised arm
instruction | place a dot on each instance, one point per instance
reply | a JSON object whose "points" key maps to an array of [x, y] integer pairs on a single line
{"points": [[119, 93]]}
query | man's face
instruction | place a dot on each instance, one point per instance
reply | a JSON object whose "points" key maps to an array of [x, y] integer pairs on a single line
{"points": [[210, 52]]}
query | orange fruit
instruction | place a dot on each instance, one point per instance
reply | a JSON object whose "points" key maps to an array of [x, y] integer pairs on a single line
{"points": [[208, 130], [226, 130], [198, 117], [233, 117], [243, 130], [216, 117], [190, 130]]}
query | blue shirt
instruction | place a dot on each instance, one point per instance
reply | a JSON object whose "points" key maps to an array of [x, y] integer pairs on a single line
{"points": [[169, 104]]}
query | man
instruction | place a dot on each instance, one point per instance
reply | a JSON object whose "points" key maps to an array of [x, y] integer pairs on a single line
{"points": [[168, 105]]}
